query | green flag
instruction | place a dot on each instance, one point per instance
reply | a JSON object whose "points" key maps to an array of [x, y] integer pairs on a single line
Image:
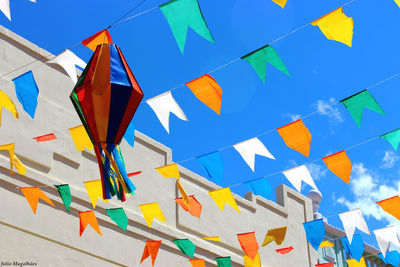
{"points": [[182, 14], [186, 246], [259, 59], [393, 138], [224, 262], [355, 105], [65, 195], [119, 217]]}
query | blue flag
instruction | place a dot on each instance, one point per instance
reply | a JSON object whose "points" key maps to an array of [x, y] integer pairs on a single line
{"points": [[356, 248], [213, 165], [260, 187], [130, 134], [392, 257], [27, 92], [315, 232]]}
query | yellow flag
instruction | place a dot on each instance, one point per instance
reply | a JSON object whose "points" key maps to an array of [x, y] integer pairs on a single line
{"points": [[212, 238], [326, 243], [276, 234], [151, 211], [6, 102], [248, 262], [397, 2], [354, 263], [336, 26], [169, 171], [282, 3], [81, 138], [224, 196], [14, 160], [183, 192], [95, 191]]}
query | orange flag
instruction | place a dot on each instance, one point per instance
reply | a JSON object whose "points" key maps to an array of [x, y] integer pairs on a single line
{"points": [[151, 249], [296, 136], [86, 218], [32, 195], [194, 207], [197, 263], [340, 164], [207, 90], [391, 206], [248, 242], [102, 37], [44, 138]]}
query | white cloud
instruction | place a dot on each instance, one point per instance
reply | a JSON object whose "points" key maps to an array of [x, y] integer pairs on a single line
{"points": [[390, 159], [328, 108], [316, 171], [293, 117]]}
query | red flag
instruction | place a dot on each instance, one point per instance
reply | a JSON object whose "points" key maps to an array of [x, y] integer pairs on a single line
{"points": [[44, 138], [284, 250], [151, 249]]}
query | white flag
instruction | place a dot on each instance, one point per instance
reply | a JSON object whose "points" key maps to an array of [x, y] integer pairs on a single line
{"points": [[351, 220], [5, 8], [249, 148], [384, 236], [163, 105], [67, 60], [298, 174]]}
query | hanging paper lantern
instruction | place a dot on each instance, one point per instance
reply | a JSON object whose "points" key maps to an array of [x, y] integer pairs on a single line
{"points": [[106, 97]]}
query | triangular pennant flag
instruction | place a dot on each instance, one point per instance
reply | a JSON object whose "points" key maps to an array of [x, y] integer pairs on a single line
{"points": [[130, 175], [163, 105], [355, 105], [102, 37], [315, 232], [151, 249], [169, 171], [296, 136], [95, 191], [250, 148], [7, 103], [208, 91], [393, 137], [351, 220], [276, 234], [33, 194], [392, 257], [88, 218], [249, 244], [5, 8], [27, 92], [65, 194], [284, 250], [213, 165], [224, 196], [129, 135], [185, 246], [249, 262], [356, 249], [326, 243], [67, 60], [185, 196], [14, 160], [397, 2], [182, 14], [45, 138], [212, 238], [119, 217], [391, 206], [281, 3], [197, 262], [298, 174], [328, 264], [194, 207], [260, 187], [259, 59], [81, 138], [336, 26], [224, 262], [340, 164], [151, 211], [354, 263], [385, 236]]}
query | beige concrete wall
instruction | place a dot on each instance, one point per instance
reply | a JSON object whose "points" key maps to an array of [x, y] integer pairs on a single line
{"points": [[51, 237]]}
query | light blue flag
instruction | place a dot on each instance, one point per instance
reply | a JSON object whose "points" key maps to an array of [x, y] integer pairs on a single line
{"points": [[260, 187], [27, 92], [315, 232], [392, 257], [129, 135], [213, 165], [356, 248]]}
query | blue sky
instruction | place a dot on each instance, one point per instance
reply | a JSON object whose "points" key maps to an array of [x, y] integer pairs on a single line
{"points": [[322, 72]]}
